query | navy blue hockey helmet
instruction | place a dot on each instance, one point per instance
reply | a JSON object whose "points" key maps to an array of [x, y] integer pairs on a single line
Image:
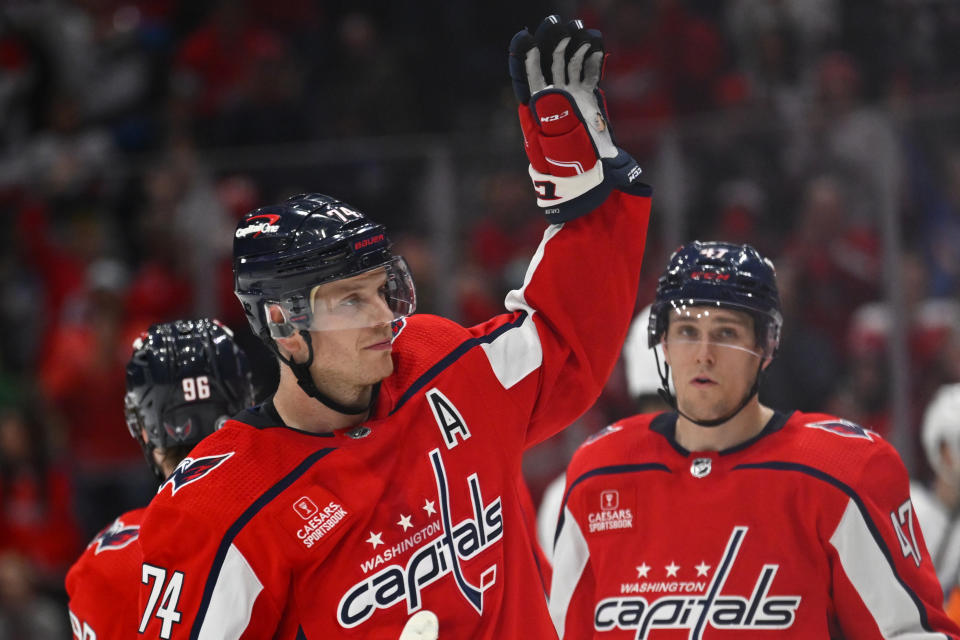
{"points": [[184, 379], [721, 274], [282, 253]]}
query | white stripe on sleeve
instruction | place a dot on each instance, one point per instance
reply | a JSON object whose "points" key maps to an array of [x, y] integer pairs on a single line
{"points": [[872, 576], [570, 556], [231, 605], [517, 352]]}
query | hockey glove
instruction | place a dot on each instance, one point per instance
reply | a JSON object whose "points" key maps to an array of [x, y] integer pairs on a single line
{"points": [[574, 162], [423, 625]]}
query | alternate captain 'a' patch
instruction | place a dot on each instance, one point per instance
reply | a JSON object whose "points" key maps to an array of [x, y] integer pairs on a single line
{"points": [[116, 536], [843, 428], [190, 470]]}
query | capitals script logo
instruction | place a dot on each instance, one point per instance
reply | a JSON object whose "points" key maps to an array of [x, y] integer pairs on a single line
{"points": [[711, 607], [191, 470], [116, 536], [434, 560]]}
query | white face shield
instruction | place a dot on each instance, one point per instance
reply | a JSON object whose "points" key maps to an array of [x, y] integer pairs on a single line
{"points": [[695, 327], [371, 298]]}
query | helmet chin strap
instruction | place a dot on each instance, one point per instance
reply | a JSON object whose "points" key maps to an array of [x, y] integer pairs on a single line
{"points": [[151, 462], [302, 371], [670, 399]]}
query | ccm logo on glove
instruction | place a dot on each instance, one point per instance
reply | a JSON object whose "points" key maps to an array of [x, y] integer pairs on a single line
{"points": [[555, 116]]}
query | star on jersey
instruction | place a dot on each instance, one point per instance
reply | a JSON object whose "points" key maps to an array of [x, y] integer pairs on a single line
{"points": [[672, 569], [428, 506], [643, 570], [374, 539], [702, 569], [405, 522]]}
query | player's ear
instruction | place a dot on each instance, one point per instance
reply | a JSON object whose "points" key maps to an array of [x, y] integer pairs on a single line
{"points": [[292, 346], [663, 345]]}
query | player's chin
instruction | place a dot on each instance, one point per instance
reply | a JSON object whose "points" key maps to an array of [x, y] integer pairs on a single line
{"points": [[380, 367], [701, 411]]}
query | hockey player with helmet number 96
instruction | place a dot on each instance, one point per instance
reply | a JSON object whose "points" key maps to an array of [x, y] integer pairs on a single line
{"points": [[379, 482], [184, 379], [724, 518]]}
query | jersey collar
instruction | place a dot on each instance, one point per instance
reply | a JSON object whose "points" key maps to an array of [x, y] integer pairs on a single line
{"points": [[666, 425]]}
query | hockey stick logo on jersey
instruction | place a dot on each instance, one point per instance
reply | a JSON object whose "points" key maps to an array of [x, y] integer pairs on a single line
{"points": [[758, 611], [116, 536], [434, 560], [190, 470]]}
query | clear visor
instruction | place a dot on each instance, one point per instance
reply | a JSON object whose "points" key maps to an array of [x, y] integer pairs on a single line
{"points": [[371, 298], [696, 328], [131, 416]]}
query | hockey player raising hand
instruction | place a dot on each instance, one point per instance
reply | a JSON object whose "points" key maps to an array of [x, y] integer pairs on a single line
{"points": [[379, 480]]}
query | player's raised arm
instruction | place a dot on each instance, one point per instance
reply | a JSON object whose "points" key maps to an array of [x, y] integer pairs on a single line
{"points": [[294, 524], [576, 302]]}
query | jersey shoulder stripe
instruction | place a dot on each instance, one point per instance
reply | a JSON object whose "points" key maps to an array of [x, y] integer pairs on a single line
{"points": [[265, 498], [857, 500], [459, 351], [842, 448]]}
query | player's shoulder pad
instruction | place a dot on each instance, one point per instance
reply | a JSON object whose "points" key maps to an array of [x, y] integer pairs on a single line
{"points": [[610, 443], [422, 340], [838, 446], [230, 468]]}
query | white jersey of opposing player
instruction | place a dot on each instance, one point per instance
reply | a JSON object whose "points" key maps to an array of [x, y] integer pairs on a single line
{"points": [[941, 531], [548, 513]]}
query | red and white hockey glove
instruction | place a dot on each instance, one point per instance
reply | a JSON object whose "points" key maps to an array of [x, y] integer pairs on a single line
{"points": [[574, 162]]}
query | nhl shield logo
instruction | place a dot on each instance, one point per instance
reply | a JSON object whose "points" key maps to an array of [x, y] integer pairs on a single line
{"points": [[701, 467]]}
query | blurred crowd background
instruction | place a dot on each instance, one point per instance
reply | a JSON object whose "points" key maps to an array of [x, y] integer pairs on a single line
{"points": [[134, 134]]}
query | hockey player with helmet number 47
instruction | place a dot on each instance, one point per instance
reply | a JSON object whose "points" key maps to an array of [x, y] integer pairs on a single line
{"points": [[379, 482], [724, 518]]}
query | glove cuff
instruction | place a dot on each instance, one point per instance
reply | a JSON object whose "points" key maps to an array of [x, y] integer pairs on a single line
{"points": [[553, 191], [567, 198]]}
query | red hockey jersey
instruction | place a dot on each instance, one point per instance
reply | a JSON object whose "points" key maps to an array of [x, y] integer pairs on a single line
{"points": [[102, 583], [271, 532], [805, 532]]}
